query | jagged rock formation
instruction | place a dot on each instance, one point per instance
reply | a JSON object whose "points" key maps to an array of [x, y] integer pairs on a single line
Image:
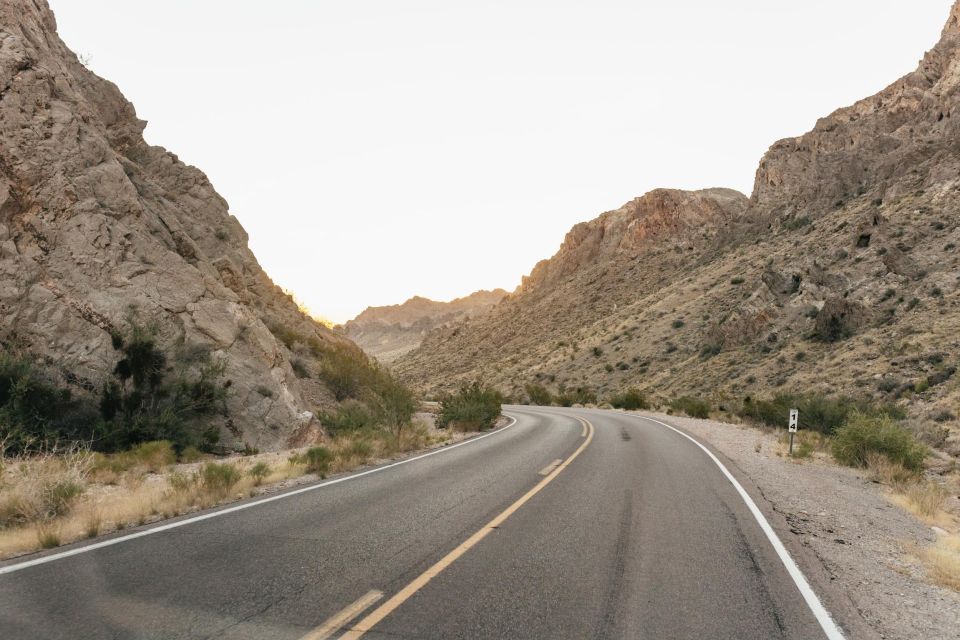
{"points": [[708, 293], [96, 225], [387, 333]]}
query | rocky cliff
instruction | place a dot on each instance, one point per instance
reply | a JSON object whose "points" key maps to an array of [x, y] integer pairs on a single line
{"points": [[838, 275], [96, 227], [388, 332]]}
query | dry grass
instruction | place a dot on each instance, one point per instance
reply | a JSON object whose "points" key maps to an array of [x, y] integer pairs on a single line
{"points": [[942, 561], [61, 497], [926, 500]]}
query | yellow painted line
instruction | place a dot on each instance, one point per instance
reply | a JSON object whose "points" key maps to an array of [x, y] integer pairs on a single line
{"points": [[550, 467], [337, 622], [420, 581]]}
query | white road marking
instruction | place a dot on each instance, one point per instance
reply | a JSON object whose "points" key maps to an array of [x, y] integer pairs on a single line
{"points": [[829, 627], [340, 620], [583, 432], [550, 467], [240, 507]]}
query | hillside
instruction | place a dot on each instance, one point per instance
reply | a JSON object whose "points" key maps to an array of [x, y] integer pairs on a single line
{"points": [[98, 228], [387, 333], [839, 274]]}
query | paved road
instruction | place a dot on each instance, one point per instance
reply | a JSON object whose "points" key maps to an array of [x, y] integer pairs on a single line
{"points": [[639, 535]]}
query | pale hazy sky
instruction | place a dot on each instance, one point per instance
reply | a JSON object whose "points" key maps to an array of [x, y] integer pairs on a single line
{"points": [[377, 150]]}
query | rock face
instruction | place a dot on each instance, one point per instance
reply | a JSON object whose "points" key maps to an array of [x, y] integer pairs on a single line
{"points": [[711, 294], [97, 226], [387, 333]]}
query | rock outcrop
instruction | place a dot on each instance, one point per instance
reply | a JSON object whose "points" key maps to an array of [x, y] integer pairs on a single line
{"points": [[387, 333], [839, 274], [97, 226]]}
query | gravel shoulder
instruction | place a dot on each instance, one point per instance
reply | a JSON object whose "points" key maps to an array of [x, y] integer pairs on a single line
{"points": [[840, 524]]}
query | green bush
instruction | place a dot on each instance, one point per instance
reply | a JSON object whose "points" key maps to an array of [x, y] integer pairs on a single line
{"points": [[219, 478], [346, 370], [539, 395], [863, 434], [155, 456], [474, 407], [693, 407], [36, 413], [392, 401], [818, 412], [629, 399], [148, 400], [258, 472], [351, 415], [579, 395], [318, 460]]}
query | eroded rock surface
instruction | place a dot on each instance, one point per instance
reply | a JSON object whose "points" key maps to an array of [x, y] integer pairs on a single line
{"points": [[96, 226]]}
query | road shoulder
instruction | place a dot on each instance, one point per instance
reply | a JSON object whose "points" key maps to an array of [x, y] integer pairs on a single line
{"points": [[856, 548]]}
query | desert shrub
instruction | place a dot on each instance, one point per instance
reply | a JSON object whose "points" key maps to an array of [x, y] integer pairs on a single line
{"points": [[474, 407], [737, 280], [258, 472], [577, 395], [817, 412], [36, 413], [710, 350], [392, 402], [539, 395], [154, 456], [318, 460], [350, 416], [693, 407], [629, 399], [677, 324], [148, 400], [597, 352], [863, 434], [300, 368], [359, 449], [346, 370], [219, 478], [42, 486], [190, 454]]}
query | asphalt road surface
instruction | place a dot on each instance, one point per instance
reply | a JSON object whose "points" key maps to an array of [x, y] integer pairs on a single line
{"points": [[565, 524]]}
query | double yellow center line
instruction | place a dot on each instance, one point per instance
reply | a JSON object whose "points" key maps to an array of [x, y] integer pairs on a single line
{"points": [[420, 581]]}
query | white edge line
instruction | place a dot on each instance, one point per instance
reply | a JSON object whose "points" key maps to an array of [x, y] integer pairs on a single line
{"points": [[827, 623], [240, 507]]}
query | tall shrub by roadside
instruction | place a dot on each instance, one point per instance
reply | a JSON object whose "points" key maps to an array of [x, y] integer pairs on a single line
{"points": [[817, 412], [630, 399], [539, 395], [693, 407], [474, 407], [865, 434]]}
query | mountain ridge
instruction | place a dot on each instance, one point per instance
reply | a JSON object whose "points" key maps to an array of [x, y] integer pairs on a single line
{"points": [[849, 233]]}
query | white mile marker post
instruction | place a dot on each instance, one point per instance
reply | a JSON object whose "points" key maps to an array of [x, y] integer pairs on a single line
{"points": [[792, 427]]}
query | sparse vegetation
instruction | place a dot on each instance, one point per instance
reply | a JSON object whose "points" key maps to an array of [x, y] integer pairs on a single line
{"points": [[818, 412], [864, 434], [218, 478], [258, 472], [318, 460], [630, 399], [474, 407], [693, 407], [539, 395]]}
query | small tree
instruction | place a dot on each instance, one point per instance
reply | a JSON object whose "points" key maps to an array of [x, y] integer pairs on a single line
{"points": [[394, 403]]}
